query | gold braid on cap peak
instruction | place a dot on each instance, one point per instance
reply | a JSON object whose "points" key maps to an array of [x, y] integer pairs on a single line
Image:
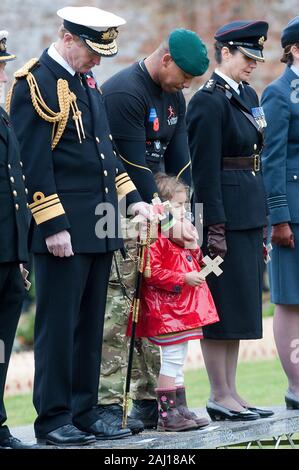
{"points": [[66, 99]]}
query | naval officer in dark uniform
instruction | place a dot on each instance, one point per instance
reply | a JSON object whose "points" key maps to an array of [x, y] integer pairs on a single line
{"points": [[74, 180], [225, 125], [14, 224]]}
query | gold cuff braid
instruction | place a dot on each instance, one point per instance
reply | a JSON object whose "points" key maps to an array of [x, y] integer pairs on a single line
{"points": [[66, 99]]}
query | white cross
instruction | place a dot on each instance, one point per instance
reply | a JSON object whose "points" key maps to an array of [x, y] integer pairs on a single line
{"points": [[160, 208], [268, 248], [211, 266], [25, 274], [159, 211]]}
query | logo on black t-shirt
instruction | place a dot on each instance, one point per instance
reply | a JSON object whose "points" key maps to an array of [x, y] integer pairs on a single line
{"points": [[172, 119]]}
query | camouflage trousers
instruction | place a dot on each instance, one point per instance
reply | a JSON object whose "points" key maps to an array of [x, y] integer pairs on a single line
{"points": [[146, 363]]}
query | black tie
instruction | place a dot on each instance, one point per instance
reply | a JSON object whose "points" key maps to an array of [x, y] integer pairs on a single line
{"points": [[241, 90], [81, 80]]}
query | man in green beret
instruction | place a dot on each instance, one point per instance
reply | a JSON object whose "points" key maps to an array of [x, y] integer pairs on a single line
{"points": [[146, 111]]}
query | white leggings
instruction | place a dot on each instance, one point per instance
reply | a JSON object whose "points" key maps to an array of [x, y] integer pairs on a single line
{"points": [[172, 361]]}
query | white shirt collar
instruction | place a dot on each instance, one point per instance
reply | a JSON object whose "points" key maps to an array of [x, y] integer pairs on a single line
{"points": [[230, 81], [54, 54], [295, 70]]}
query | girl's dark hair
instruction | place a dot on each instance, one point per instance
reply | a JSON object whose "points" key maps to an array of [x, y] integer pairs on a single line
{"points": [[218, 46], [287, 56]]}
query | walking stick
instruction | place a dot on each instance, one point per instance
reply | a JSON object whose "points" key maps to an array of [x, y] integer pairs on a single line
{"points": [[143, 242]]}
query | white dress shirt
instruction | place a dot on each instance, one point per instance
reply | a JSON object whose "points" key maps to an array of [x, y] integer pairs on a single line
{"points": [[234, 85], [54, 54]]}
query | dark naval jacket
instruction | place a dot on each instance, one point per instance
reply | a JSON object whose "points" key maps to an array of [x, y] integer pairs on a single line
{"points": [[219, 125], [67, 184], [14, 213]]}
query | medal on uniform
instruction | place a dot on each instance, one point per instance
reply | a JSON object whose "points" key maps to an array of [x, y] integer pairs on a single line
{"points": [[259, 116]]}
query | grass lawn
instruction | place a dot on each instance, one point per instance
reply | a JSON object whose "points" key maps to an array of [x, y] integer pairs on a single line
{"points": [[262, 383]]}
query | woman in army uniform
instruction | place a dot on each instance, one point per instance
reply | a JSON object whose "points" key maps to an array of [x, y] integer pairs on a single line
{"points": [[225, 126]]}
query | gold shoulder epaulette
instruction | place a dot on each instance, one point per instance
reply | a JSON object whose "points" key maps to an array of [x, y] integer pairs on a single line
{"points": [[66, 99], [23, 71]]}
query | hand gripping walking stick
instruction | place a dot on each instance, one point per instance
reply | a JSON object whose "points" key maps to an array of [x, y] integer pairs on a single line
{"points": [[144, 242]]}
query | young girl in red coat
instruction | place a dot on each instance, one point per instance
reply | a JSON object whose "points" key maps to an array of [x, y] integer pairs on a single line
{"points": [[175, 303]]}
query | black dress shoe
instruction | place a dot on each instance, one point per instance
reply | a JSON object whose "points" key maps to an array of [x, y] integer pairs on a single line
{"points": [[102, 431], [219, 413], [263, 413], [67, 435], [145, 411], [292, 400], [113, 416], [11, 442]]}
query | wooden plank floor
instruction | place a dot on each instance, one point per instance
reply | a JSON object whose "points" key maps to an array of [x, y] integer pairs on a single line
{"points": [[217, 434]]}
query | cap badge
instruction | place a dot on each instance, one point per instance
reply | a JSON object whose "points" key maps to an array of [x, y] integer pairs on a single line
{"points": [[3, 45], [110, 34], [261, 40]]}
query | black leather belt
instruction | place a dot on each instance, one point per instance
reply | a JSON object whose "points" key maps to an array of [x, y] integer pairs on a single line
{"points": [[252, 163]]}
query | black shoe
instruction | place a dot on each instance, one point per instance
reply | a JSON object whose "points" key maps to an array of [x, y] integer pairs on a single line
{"points": [[102, 430], [11, 442], [145, 411], [67, 435], [292, 400], [219, 413], [263, 413], [113, 416]]}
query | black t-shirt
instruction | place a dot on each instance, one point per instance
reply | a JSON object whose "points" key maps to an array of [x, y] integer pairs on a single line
{"points": [[148, 125]]}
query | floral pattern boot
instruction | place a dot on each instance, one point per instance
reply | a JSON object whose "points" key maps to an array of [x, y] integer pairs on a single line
{"points": [[169, 417]]}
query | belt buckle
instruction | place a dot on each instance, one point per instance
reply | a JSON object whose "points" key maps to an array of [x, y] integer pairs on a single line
{"points": [[256, 162]]}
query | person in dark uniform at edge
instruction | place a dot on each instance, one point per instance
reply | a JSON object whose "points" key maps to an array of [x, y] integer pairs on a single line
{"points": [[14, 224], [146, 112], [70, 169], [225, 127]]}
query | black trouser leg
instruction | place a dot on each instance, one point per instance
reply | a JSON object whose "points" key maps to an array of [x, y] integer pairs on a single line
{"points": [[88, 341], [11, 299], [60, 285]]}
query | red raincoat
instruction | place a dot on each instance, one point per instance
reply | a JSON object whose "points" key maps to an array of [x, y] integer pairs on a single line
{"points": [[168, 305]]}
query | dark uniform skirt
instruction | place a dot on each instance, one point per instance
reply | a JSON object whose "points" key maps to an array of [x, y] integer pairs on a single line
{"points": [[237, 292], [284, 272]]}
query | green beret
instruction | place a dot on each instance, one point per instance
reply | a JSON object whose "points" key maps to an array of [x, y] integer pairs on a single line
{"points": [[188, 51]]}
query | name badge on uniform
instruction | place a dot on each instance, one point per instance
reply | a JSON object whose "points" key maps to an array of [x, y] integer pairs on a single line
{"points": [[259, 116]]}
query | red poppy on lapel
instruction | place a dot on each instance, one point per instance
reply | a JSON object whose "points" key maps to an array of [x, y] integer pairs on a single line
{"points": [[91, 82]]}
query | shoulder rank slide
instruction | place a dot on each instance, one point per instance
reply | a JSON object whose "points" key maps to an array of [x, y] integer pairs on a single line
{"points": [[209, 86]]}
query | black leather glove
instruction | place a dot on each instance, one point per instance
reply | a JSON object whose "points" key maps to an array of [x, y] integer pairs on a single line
{"points": [[282, 235], [216, 242]]}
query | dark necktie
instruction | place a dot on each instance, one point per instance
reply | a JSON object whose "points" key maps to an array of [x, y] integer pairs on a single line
{"points": [[81, 80], [241, 90]]}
